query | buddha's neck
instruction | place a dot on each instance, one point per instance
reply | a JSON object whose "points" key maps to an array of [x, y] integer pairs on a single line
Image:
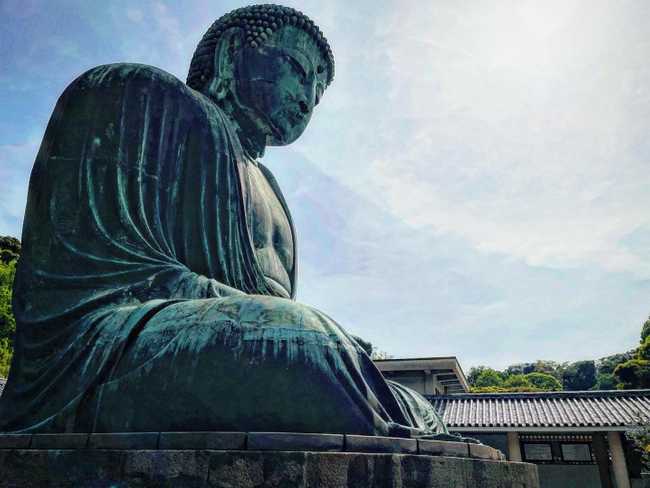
{"points": [[249, 128]]}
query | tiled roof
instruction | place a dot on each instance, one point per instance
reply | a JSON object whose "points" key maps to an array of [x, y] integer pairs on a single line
{"points": [[2, 385], [582, 409]]}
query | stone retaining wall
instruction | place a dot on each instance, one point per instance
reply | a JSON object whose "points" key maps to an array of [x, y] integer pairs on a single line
{"points": [[252, 460]]}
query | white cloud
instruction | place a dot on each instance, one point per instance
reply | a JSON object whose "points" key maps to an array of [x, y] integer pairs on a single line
{"points": [[519, 126]]}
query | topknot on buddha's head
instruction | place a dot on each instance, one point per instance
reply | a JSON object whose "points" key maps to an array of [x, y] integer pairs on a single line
{"points": [[258, 23]]}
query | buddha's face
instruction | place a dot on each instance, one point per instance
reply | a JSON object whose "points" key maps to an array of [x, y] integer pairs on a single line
{"points": [[281, 82]]}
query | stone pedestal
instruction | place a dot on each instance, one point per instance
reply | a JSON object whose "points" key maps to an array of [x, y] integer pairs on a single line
{"points": [[260, 460]]}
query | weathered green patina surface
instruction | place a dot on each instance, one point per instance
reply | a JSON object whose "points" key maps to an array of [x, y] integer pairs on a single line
{"points": [[155, 288]]}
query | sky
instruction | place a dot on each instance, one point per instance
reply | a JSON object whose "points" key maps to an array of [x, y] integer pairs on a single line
{"points": [[473, 183]]}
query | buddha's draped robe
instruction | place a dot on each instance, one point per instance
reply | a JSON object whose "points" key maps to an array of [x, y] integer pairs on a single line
{"points": [[139, 302]]}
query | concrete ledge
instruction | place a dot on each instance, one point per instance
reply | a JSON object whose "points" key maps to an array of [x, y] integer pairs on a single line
{"points": [[252, 441], [287, 441], [68, 468], [124, 440], [443, 448], [59, 441], [482, 451], [221, 441], [363, 443], [15, 441]]}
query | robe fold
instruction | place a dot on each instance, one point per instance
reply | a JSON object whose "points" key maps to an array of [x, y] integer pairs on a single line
{"points": [[139, 302]]}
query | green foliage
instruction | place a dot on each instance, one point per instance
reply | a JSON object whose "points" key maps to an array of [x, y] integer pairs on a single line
{"points": [[553, 368], [607, 364], [516, 381], [491, 381], [640, 437], [543, 381], [474, 373], [643, 352], [9, 250], [634, 373], [488, 378], [520, 368], [542, 376], [499, 389], [7, 321], [579, 376], [645, 330], [6, 353], [605, 381]]}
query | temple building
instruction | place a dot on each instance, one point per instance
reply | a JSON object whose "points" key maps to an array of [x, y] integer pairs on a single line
{"points": [[576, 438], [429, 376]]}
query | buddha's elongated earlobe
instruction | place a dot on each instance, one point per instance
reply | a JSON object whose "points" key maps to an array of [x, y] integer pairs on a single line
{"points": [[220, 88], [221, 85]]}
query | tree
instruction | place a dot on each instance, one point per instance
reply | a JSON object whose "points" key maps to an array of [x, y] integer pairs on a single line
{"points": [[605, 381], [643, 352], [521, 368], [488, 378], [6, 353], [501, 389], [517, 381], [9, 250], [645, 330], [607, 364], [474, 373], [640, 437], [543, 381], [580, 375], [634, 373], [553, 368]]}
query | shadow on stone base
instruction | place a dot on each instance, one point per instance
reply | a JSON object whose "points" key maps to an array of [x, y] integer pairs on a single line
{"points": [[101, 468]]}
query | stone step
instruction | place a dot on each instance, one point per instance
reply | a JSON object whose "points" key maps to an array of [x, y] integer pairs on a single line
{"points": [[251, 441]]}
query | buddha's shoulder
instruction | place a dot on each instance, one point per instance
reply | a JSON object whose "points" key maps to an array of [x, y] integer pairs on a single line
{"points": [[107, 75], [139, 78]]}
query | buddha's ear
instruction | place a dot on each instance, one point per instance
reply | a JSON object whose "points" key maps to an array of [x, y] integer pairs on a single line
{"points": [[230, 42]]}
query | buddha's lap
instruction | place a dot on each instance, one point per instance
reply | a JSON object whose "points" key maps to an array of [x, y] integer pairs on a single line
{"points": [[222, 354], [245, 322]]}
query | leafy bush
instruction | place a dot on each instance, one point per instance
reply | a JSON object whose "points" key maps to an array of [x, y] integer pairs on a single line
{"points": [[643, 352], [516, 381], [6, 353], [640, 437], [543, 381], [605, 381], [607, 364], [634, 373], [497, 389], [9, 250], [645, 330], [579, 376], [488, 378], [474, 373], [521, 368]]}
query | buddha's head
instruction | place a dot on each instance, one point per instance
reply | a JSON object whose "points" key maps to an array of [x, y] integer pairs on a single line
{"points": [[268, 67]]}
